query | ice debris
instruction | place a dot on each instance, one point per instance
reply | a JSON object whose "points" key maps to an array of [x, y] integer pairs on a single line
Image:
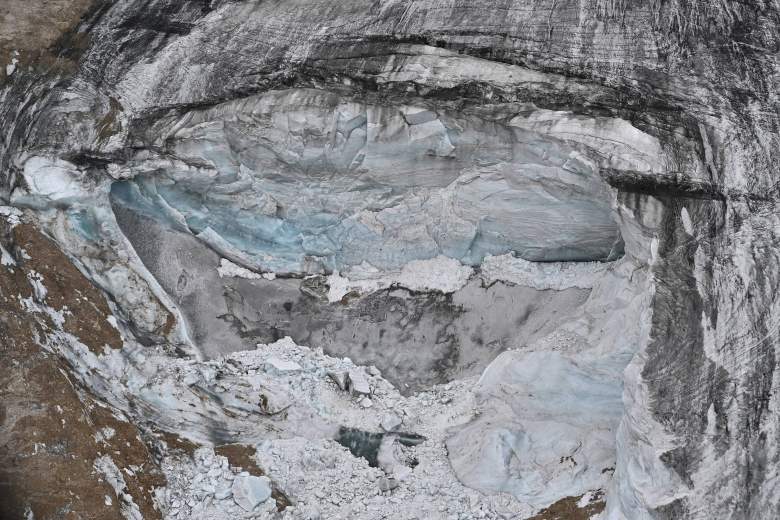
{"points": [[542, 275], [250, 491], [228, 269], [281, 366], [357, 384], [390, 422]]}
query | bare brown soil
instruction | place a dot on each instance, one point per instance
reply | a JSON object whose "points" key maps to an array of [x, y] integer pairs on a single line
{"points": [[84, 306], [178, 444], [51, 429], [243, 457], [567, 509]]}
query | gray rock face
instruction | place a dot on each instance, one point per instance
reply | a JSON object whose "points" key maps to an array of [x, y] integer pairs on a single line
{"points": [[309, 135]]}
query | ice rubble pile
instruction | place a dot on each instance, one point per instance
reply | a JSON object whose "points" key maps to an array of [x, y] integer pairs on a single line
{"points": [[290, 401], [207, 487], [323, 477], [244, 394]]}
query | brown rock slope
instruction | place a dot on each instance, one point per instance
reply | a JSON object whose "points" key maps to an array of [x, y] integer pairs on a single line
{"points": [[51, 429]]}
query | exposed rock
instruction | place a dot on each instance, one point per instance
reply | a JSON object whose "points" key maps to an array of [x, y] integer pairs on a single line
{"points": [[340, 378], [573, 508]]}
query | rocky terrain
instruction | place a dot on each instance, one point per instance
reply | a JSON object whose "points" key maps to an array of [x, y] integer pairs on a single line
{"points": [[389, 259]]}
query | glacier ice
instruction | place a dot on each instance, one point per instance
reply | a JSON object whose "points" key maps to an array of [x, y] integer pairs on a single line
{"points": [[303, 181], [441, 187], [559, 435]]}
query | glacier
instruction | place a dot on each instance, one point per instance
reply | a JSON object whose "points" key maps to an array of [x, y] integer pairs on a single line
{"points": [[541, 236], [303, 181]]}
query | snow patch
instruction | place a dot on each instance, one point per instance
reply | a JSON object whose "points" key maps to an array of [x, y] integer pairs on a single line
{"points": [[228, 269], [6, 259], [686, 221], [104, 434], [106, 467], [585, 499], [11, 67], [543, 275], [34, 305], [436, 274], [36, 281]]}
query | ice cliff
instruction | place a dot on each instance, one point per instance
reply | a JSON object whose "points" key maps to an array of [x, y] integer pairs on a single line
{"points": [[421, 258]]}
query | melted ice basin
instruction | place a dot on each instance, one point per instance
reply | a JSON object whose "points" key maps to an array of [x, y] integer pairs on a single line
{"points": [[304, 181]]}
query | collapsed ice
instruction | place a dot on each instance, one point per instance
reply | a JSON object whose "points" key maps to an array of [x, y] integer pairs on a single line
{"points": [[250, 491]]}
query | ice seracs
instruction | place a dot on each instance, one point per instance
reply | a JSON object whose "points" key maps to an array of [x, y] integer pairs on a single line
{"points": [[384, 185]]}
